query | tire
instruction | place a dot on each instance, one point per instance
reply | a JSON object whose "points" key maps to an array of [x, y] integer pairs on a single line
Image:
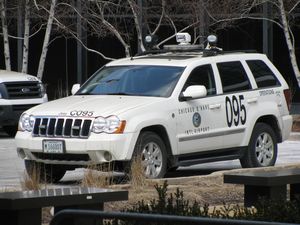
{"points": [[151, 149], [10, 130], [262, 148], [44, 172]]}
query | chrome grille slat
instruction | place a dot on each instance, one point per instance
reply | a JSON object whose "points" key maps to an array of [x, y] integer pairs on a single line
{"points": [[55, 126], [65, 127], [81, 127], [47, 128], [41, 121]]}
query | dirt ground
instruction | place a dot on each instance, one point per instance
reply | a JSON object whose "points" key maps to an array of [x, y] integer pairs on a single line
{"points": [[203, 189], [296, 123]]}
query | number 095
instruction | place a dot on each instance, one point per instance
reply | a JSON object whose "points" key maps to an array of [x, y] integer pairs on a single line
{"points": [[235, 110]]}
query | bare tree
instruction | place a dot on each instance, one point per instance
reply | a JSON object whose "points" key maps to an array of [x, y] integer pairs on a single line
{"points": [[289, 37], [282, 12], [26, 37], [46, 39], [5, 35]]}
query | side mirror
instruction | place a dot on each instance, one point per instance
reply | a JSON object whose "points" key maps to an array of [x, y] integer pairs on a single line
{"points": [[194, 91], [75, 88]]}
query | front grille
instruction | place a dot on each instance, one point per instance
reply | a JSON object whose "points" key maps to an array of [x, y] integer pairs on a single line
{"points": [[64, 157], [62, 127], [22, 107], [25, 89]]}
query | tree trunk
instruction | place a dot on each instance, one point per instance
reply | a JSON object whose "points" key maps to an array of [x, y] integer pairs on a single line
{"points": [[26, 38], [46, 40], [138, 26], [289, 43], [5, 35]]}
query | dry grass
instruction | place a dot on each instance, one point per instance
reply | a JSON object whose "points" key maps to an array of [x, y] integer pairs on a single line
{"points": [[32, 182], [137, 176], [97, 176]]}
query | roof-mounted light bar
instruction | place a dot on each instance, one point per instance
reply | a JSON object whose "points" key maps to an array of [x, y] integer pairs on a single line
{"points": [[183, 38]]}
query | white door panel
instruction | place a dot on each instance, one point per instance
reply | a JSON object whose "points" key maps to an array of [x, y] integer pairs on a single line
{"points": [[198, 125]]}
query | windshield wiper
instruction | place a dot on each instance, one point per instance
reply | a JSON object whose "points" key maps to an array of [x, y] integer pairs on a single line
{"points": [[119, 93], [85, 94]]}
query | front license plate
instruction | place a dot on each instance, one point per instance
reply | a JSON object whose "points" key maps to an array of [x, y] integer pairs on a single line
{"points": [[51, 146]]}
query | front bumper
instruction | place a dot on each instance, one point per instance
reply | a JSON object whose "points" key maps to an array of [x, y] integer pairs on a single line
{"points": [[97, 149]]}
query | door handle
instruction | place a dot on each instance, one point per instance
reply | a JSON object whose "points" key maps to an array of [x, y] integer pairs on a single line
{"points": [[215, 106], [252, 100]]}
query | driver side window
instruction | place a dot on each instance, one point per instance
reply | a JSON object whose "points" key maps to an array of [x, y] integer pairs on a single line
{"points": [[202, 75]]}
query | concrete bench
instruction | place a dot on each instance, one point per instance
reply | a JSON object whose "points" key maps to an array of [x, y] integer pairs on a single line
{"points": [[25, 207], [266, 184]]}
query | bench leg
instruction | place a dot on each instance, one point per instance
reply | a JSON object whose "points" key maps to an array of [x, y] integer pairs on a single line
{"points": [[253, 193], [295, 191], [21, 217]]}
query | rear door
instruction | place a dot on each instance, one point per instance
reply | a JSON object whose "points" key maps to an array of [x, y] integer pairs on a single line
{"points": [[238, 101]]}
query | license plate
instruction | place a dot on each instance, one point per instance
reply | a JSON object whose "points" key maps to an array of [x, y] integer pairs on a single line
{"points": [[51, 146]]}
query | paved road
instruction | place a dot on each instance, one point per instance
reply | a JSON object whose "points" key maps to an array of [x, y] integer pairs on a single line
{"points": [[12, 168]]}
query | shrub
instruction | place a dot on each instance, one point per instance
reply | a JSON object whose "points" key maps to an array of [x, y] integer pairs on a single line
{"points": [[175, 204]]}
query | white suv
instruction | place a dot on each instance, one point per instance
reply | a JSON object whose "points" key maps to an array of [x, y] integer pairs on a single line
{"points": [[18, 92], [172, 108]]}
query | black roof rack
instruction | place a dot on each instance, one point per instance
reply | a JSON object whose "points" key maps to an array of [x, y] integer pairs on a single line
{"points": [[173, 49], [206, 52]]}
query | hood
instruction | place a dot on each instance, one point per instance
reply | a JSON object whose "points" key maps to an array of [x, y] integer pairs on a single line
{"points": [[95, 105], [11, 76]]}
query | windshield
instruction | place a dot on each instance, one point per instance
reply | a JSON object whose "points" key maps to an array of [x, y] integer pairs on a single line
{"points": [[133, 80]]}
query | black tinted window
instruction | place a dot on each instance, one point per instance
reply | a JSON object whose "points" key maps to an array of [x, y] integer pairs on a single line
{"points": [[233, 77], [202, 75], [264, 77]]}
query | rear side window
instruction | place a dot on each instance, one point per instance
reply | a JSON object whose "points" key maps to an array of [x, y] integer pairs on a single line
{"points": [[263, 75], [233, 76]]}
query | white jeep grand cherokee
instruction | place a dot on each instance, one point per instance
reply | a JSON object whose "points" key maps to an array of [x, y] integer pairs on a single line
{"points": [[174, 108]]}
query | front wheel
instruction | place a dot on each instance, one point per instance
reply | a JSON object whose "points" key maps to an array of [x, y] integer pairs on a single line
{"points": [[44, 172], [262, 149], [151, 150]]}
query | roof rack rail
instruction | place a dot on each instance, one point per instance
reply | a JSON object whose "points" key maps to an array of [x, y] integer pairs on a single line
{"points": [[214, 52], [172, 48], [243, 51]]}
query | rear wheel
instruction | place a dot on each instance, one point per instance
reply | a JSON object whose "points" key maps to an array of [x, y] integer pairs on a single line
{"points": [[151, 149], [262, 149], [44, 172]]}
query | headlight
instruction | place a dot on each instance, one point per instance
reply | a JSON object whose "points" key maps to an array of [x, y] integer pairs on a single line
{"points": [[42, 89], [26, 122], [111, 124]]}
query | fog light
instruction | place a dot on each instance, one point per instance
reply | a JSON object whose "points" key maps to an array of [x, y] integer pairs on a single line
{"points": [[107, 156]]}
